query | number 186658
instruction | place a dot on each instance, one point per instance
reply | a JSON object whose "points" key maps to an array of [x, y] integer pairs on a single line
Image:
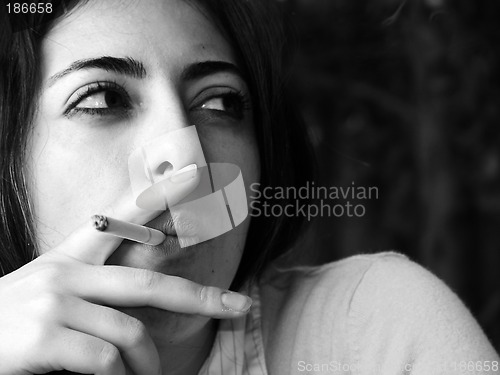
{"points": [[17, 8]]}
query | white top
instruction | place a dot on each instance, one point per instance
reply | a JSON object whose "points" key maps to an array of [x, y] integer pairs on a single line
{"points": [[238, 347], [366, 314]]}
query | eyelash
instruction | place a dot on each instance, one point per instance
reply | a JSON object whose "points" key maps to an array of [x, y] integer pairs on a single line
{"points": [[96, 88], [243, 101]]}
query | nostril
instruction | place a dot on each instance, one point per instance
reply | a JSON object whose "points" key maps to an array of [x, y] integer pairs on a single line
{"points": [[164, 168]]}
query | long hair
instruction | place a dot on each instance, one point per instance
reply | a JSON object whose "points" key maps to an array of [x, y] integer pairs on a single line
{"points": [[18, 60], [258, 35]]}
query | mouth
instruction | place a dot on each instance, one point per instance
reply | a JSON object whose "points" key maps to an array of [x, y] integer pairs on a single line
{"points": [[143, 255], [178, 229], [182, 232]]}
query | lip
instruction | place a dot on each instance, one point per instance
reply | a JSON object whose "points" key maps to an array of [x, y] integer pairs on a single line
{"points": [[164, 223], [179, 231], [174, 247], [139, 255]]}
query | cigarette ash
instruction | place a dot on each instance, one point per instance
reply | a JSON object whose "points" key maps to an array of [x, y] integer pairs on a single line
{"points": [[100, 222]]}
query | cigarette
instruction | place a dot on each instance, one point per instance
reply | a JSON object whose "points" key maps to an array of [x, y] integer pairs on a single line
{"points": [[129, 231]]}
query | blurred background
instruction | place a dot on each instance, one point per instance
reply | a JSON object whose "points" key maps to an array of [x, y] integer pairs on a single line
{"points": [[405, 96]]}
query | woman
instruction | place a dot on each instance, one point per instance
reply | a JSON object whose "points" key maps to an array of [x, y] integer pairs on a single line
{"points": [[84, 91]]}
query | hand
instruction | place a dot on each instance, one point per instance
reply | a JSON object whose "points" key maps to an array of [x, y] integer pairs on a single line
{"points": [[55, 314]]}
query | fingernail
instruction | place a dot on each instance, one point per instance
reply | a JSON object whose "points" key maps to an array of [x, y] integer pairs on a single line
{"points": [[236, 302], [184, 174]]}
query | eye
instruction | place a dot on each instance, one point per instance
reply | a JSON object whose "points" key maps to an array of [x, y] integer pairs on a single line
{"points": [[230, 103], [99, 98], [103, 99]]}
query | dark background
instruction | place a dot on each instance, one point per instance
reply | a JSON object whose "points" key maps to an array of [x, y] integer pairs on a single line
{"points": [[405, 96]]}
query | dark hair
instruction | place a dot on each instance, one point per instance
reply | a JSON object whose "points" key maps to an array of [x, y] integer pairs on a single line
{"points": [[258, 35]]}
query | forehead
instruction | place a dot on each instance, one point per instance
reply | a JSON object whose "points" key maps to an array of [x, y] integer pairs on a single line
{"points": [[161, 33]]}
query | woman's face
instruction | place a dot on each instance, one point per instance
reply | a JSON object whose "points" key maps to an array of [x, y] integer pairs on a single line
{"points": [[95, 111]]}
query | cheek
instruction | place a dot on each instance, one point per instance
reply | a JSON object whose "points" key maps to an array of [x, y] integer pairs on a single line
{"points": [[221, 258], [69, 182], [236, 146]]}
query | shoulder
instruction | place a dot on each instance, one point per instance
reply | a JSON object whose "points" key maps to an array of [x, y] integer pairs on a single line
{"points": [[340, 281], [375, 309]]}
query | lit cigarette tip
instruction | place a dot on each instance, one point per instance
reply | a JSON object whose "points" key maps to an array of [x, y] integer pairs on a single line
{"points": [[126, 230]]}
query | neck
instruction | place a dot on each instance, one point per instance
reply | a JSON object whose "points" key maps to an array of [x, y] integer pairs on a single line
{"points": [[186, 354]]}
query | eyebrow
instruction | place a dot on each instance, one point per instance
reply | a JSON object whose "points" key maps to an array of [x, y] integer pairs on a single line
{"points": [[205, 68], [133, 68], [126, 65]]}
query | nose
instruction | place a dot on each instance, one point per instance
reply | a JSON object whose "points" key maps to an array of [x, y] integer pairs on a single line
{"points": [[171, 152], [153, 166]]}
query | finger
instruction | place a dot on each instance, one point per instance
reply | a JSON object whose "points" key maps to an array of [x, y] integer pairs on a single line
{"points": [[132, 287], [94, 247], [88, 245], [126, 333], [82, 353]]}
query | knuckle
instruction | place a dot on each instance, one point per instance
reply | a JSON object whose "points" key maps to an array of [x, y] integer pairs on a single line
{"points": [[108, 357], [40, 336], [50, 275], [48, 305], [203, 293], [206, 297], [136, 332], [146, 279]]}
